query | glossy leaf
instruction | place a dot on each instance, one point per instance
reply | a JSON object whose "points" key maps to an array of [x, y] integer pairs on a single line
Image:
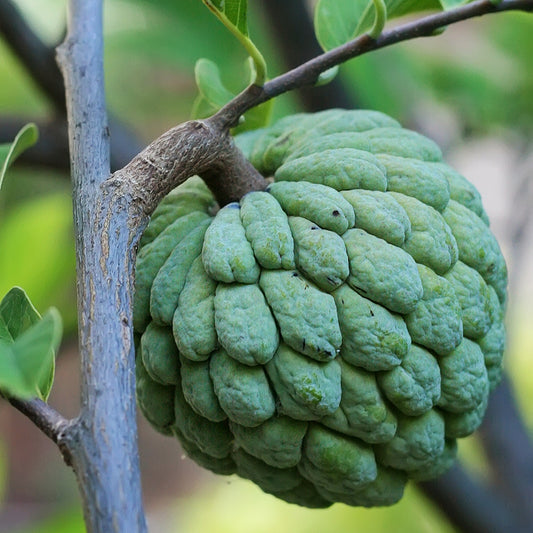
{"points": [[25, 138], [340, 21], [27, 346]]}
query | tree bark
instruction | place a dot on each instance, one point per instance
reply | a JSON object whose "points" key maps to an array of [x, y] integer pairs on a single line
{"points": [[103, 440]]}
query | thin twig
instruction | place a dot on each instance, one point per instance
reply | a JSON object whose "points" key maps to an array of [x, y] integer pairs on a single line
{"points": [[308, 73], [48, 420], [292, 27]]}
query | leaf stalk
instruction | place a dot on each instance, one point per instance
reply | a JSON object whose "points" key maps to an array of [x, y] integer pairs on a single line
{"points": [[379, 20], [246, 42]]}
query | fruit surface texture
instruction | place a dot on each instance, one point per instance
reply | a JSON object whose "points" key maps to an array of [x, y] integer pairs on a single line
{"points": [[331, 337]]}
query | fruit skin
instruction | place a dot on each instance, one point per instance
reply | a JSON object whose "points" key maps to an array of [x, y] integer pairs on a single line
{"points": [[331, 337]]}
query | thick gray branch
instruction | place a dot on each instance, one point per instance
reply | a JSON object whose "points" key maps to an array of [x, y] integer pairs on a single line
{"points": [[103, 441], [195, 147]]}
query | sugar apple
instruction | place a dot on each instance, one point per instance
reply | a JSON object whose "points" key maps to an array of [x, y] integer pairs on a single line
{"points": [[331, 337]]}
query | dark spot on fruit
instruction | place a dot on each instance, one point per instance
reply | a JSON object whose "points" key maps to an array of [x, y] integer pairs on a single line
{"points": [[282, 141], [303, 344], [335, 213], [371, 312], [295, 274], [314, 227]]}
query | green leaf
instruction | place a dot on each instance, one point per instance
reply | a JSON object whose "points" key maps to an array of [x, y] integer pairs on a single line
{"points": [[27, 346], [25, 138], [449, 4], [17, 314], [234, 10], [5, 336], [340, 21], [214, 95], [233, 14], [327, 76], [207, 75]]}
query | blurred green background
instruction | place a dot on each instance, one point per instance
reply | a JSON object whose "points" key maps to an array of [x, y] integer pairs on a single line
{"points": [[469, 89]]}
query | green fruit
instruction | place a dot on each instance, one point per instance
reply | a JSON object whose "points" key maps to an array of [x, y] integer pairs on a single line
{"points": [[331, 337]]}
